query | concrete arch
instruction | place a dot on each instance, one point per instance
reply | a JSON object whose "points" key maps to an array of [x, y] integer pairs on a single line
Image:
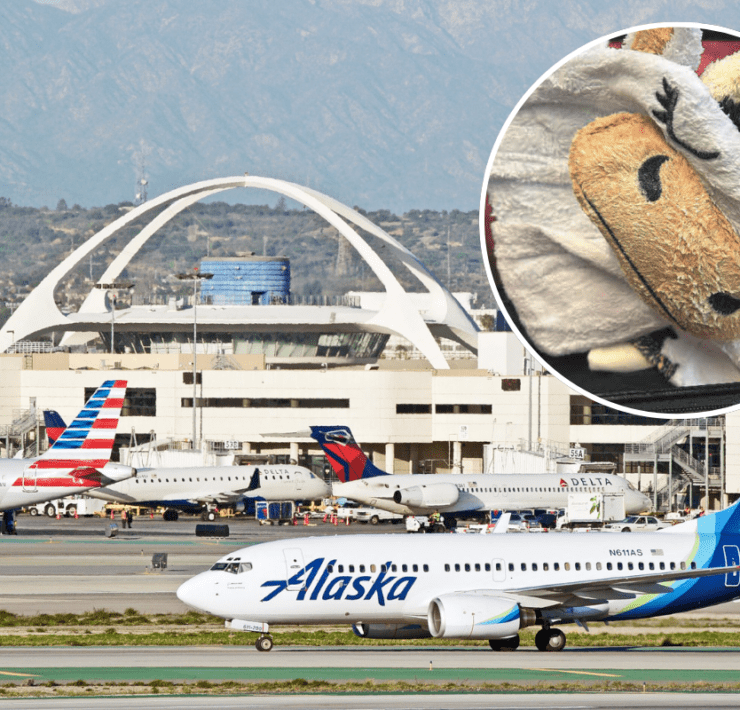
{"points": [[398, 313]]}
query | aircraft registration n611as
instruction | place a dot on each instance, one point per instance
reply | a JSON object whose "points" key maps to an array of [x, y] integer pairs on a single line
{"points": [[473, 586]]}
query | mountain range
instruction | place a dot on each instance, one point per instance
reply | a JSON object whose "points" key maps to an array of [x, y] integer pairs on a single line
{"points": [[380, 103]]}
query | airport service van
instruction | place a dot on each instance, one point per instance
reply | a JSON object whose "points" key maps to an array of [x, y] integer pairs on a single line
{"points": [[592, 509], [68, 506]]}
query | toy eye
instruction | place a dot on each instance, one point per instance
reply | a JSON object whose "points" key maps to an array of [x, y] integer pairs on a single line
{"points": [[648, 176], [724, 304]]}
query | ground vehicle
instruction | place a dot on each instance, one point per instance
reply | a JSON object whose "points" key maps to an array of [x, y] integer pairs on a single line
{"points": [[592, 509], [365, 514], [643, 523], [68, 506]]}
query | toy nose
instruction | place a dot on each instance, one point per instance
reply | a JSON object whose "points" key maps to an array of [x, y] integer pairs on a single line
{"points": [[724, 303]]}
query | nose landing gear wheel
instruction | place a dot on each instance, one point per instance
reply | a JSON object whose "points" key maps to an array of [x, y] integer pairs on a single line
{"points": [[264, 643], [510, 644], [550, 640]]}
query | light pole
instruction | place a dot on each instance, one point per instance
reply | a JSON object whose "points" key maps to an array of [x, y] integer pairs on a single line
{"points": [[113, 287], [194, 276]]}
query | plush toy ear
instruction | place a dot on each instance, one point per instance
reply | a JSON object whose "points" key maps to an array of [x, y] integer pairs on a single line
{"points": [[676, 248]]}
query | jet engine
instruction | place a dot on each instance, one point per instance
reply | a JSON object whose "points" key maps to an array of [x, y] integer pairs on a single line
{"points": [[117, 471], [390, 631], [434, 495], [477, 616]]}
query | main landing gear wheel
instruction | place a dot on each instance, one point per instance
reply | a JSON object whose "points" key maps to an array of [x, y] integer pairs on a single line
{"points": [[509, 644], [264, 643], [550, 640]]}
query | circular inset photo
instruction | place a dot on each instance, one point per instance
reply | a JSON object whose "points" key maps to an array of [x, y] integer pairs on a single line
{"points": [[611, 220]]}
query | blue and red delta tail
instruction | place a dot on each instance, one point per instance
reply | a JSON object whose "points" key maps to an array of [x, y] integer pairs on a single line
{"points": [[85, 446], [345, 456], [55, 425]]}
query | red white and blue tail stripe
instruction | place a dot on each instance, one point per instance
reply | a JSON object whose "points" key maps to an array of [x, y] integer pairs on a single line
{"points": [[86, 444]]}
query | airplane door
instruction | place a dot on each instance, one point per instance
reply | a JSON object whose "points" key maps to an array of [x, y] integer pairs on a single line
{"points": [[499, 570], [298, 478], [732, 557], [293, 565], [28, 482]]}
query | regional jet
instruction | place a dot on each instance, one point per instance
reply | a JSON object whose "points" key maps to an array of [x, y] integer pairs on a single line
{"points": [[79, 460], [457, 495], [203, 489], [473, 586]]}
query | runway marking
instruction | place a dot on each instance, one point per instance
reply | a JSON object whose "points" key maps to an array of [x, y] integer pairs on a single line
{"points": [[23, 675], [558, 670]]}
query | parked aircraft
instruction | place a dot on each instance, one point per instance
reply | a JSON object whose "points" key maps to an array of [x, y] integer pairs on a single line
{"points": [[202, 489], [78, 460], [473, 586], [457, 495]]}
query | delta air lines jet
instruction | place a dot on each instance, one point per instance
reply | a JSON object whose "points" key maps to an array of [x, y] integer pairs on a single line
{"points": [[202, 489], [473, 586], [78, 460], [456, 495]]}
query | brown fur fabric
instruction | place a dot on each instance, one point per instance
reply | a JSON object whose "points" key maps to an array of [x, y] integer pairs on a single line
{"points": [[677, 250], [652, 41]]}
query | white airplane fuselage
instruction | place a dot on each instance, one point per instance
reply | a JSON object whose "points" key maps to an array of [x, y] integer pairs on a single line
{"points": [[417, 494], [217, 484]]}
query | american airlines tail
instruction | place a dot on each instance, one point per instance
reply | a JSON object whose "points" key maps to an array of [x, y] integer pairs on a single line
{"points": [[85, 446], [345, 456]]}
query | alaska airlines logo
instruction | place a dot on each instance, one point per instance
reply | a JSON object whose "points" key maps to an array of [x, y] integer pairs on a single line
{"points": [[348, 587]]}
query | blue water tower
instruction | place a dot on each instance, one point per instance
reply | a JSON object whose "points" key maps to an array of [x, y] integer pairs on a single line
{"points": [[246, 280]]}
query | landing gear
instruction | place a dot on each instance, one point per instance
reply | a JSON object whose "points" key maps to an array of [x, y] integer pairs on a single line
{"points": [[264, 643], [209, 515], [550, 640], [509, 644], [170, 515]]}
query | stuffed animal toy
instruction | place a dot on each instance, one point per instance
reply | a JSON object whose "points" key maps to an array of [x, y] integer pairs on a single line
{"points": [[615, 199]]}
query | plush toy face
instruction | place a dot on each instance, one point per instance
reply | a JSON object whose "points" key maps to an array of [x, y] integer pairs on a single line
{"points": [[677, 250]]}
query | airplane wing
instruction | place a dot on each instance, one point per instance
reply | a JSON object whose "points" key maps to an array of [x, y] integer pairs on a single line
{"points": [[610, 588]]}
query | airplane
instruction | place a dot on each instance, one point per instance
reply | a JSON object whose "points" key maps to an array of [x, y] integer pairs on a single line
{"points": [[79, 460], [484, 587], [203, 489], [457, 495]]}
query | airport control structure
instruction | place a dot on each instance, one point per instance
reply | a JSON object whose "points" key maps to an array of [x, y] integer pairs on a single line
{"points": [[239, 371]]}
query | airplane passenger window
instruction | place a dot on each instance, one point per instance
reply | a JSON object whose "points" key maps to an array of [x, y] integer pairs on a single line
{"points": [[566, 566], [415, 568], [619, 565], [330, 569], [673, 565], [578, 566], [609, 565], [524, 566], [640, 565], [683, 565], [340, 568], [362, 568], [556, 566], [534, 567], [488, 566], [630, 566], [457, 567], [467, 567], [425, 568], [545, 567], [393, 568], [588, 566], [383, 568], [598, 566], [404, 568], [693, 565], [372, 568], [651, 565], [447, 568], [511, 566], [477, 567], [351, 568], [498, 566]]}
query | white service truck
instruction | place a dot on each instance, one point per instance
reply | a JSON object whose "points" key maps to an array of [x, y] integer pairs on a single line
{"points": [[68, 506], [592, 510]]}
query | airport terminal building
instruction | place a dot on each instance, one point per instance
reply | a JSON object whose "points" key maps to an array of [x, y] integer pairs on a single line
{"points": [[267, 367]]}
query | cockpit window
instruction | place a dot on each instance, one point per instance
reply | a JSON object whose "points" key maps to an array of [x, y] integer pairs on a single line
{"points": [[218, 567], [232, 566]]}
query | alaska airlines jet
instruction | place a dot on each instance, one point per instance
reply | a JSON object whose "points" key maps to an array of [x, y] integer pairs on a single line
{"points": [[455, 495], [203, 489], [77, 461], [473, 586]]}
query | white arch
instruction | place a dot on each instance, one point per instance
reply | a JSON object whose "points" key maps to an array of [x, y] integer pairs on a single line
{"points": [[398, 313]]}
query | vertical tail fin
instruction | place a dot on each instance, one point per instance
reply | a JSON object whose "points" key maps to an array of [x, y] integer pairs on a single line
{"points": [[54, 424], [87, 442], [345, 456]]}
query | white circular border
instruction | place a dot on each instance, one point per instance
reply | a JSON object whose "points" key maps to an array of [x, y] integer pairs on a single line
{"points": [[482, 218]]}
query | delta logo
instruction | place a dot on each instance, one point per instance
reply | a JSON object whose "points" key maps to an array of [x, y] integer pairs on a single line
{"points": [[563, 483]]}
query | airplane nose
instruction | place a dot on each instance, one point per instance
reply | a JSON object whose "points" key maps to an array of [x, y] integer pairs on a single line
{"points": [[191, 592]]}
